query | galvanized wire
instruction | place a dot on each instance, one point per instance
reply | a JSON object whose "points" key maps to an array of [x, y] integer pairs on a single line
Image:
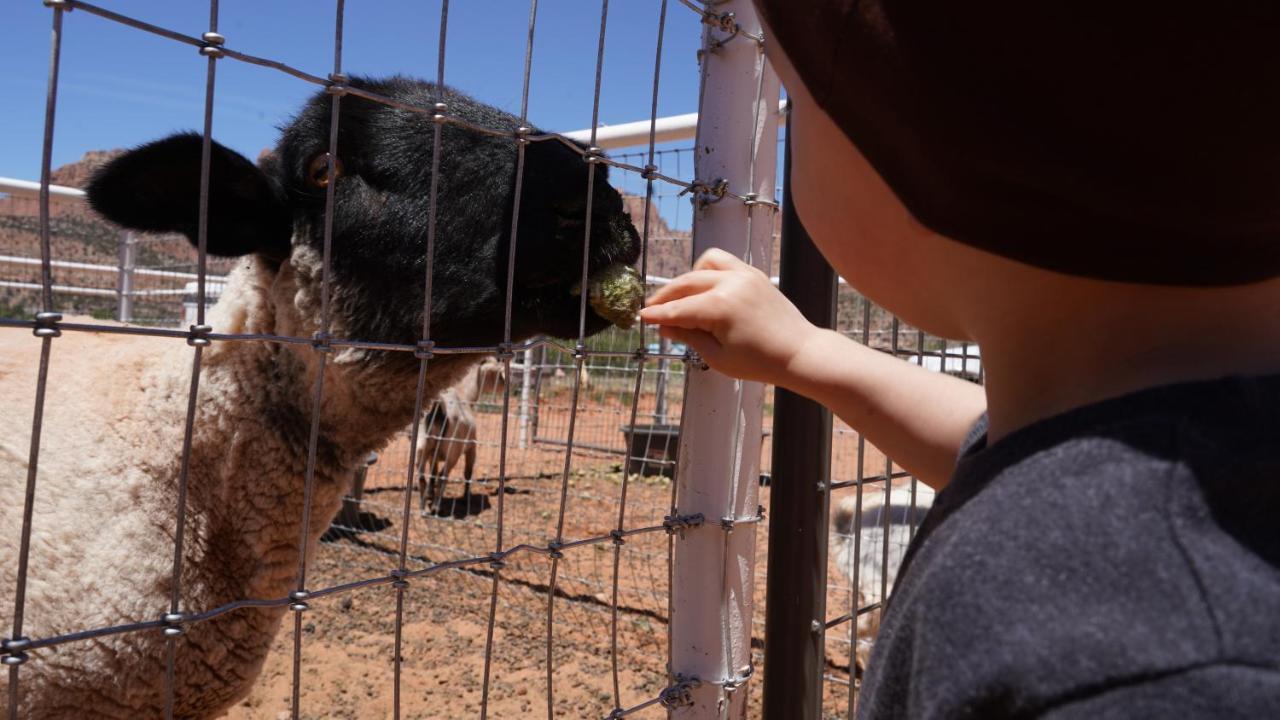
{"points": [[432, 112], [323, 349], [48, 325], [635, 397], [505, 356], [193, 391], [857, 538], [15, 656], [579, 358]]}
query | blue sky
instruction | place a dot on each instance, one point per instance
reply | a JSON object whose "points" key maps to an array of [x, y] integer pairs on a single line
{"points": [[121, 87]]}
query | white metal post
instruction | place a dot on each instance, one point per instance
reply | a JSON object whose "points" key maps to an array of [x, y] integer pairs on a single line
{"points": [[124, 280], [526, 386], [718, 475]]}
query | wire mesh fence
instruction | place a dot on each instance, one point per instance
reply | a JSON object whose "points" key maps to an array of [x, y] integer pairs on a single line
{"points": [[543, 583], [553, 545]]}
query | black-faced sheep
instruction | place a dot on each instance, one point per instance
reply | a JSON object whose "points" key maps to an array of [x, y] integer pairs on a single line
{"points": [[873, 574], [103, 533]]}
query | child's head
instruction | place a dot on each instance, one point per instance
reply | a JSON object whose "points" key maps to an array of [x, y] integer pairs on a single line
{"points": [[1006, 147]]}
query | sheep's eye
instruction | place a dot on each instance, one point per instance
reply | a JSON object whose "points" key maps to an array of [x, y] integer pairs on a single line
{"points": [[318, 172]]}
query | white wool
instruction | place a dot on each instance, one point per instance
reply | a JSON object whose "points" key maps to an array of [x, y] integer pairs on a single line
{"points": [[873, 570], [102, 538]]}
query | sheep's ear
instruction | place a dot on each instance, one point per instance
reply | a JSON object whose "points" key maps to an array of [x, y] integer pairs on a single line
{"points": [[156, 188]]}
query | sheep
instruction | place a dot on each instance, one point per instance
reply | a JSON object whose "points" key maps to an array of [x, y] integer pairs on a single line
{"points": [[102, 544], [449, 432], [903, 516]]}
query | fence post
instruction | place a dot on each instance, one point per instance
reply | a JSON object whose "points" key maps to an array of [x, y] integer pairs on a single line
{"points": [[795, 614], [660, 389], [126, 260], [718, 474], [526, 386]]}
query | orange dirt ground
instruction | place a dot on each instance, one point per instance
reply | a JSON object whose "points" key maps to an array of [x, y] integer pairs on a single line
{"points": [[348, 639]]}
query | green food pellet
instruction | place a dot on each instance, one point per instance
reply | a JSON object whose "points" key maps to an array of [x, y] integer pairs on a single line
{"points": [[616, 294]]}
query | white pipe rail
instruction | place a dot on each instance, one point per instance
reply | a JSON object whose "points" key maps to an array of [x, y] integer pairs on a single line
{"points": [[629, 134], [29, 188], [719, 465], [69, 265]]}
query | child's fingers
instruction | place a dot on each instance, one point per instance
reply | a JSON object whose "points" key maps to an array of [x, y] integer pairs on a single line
{"points": [[691, 283], [695, 312], [702, 343], [717, 259]]}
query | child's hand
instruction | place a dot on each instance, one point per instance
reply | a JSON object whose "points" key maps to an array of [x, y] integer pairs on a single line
{"points": [[733, 317]]}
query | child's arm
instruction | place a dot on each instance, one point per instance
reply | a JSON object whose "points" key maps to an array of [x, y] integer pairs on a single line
{"points": [[741, 325]]}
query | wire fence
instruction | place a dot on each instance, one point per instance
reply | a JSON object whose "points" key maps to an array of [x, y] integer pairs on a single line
{"points": [[551, 568], [648, 524]]}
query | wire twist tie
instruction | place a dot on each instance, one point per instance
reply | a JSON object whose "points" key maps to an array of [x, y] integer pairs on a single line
{"points": [[735, 683], [675, 523], [47, 325], [680, 694]]}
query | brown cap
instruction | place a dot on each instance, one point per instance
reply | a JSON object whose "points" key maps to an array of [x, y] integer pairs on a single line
{"points": [[1129, 140]]}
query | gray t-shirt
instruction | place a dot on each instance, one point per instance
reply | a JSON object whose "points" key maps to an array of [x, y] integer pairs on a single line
{"points": [[1121, 560]]}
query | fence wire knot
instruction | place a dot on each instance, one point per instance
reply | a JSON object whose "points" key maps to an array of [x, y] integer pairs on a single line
{"points": [[13, 651], [505, 352], [497, 560], [440, 114], [738, 681], [320, 342], [213, 43], [425, 349], [677, 523], [704, 193], [173, 624], [299, 598], [198, 335], [691, 357], [399, 582], [59, 4], [618, 537], [680, 694], [47, 325], [337, 84], [553, 550]]}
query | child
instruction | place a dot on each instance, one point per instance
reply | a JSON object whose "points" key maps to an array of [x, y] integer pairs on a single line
{"points": [[1092, 193]]}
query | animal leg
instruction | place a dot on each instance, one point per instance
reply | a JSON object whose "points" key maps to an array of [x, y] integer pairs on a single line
{"points": [[468, 469]]}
